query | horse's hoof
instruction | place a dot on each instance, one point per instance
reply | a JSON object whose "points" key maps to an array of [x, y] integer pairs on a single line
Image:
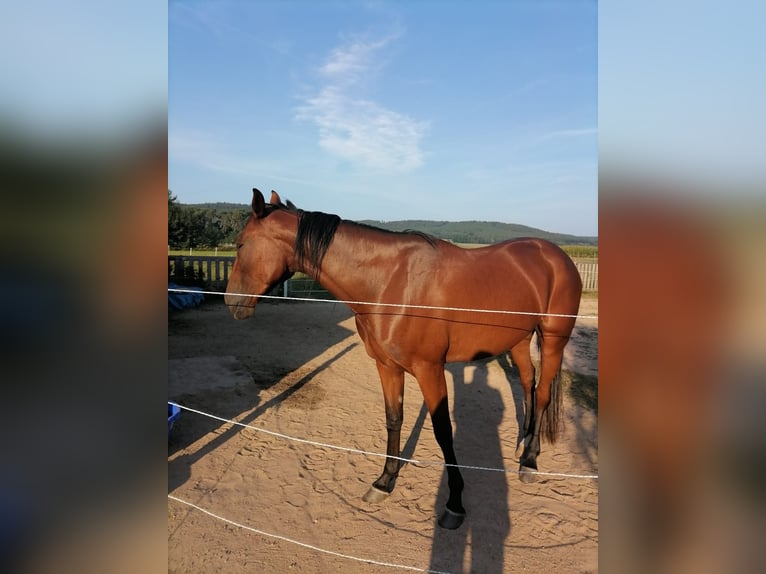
{"points": [[527, 474], [451, 520], [375, 495]]}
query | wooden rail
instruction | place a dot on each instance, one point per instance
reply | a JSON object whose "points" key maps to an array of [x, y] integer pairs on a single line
{"points": [[213, 270]]}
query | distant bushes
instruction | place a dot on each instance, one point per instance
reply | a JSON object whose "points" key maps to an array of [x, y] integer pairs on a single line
{"points": [[192, 226]]}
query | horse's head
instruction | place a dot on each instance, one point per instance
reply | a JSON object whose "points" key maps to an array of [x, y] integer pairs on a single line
{"points": [[265, 249]]}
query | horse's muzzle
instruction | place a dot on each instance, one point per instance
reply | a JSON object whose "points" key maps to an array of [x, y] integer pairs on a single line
{"points": [[240, 307]]}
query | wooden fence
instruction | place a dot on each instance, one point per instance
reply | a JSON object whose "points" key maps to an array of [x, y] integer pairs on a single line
{"points": [[588, 274], [214, 271]]}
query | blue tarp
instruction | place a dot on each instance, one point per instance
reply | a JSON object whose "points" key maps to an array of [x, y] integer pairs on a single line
{"points": [[184, 300], [174, 411]]}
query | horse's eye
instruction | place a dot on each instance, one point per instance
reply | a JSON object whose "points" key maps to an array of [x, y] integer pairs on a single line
{"points": [[239, 245]]}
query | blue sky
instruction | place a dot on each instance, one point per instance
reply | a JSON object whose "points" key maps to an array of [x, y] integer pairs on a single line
{"points": [[389, 110]]}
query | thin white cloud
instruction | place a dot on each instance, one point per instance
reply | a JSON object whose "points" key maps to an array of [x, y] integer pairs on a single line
{"points": [[348, 63], [211, 153], [356, 128], [206, 151], [365, 132]]}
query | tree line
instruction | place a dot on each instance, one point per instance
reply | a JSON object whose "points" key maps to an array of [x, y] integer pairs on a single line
{"points": [[191, 227]]}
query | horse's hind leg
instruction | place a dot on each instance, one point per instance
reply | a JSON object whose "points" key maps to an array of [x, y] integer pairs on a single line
{"points": [[392, 380], [546, 411], [434, 388], [523, 361]]}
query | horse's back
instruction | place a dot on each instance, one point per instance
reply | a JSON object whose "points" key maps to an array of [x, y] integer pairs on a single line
{"points": [[526, 263]]}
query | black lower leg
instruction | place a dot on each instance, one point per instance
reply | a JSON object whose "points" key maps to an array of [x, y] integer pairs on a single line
{"points": [[387, 480], [529, 411], [443, 432], [531, 450], [528, 460]]}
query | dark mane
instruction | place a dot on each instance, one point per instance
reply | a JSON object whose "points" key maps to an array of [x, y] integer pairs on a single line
{"points": [[315, 233]]}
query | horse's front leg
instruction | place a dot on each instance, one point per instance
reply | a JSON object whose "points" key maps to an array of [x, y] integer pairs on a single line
{"points": [[392, 379]]}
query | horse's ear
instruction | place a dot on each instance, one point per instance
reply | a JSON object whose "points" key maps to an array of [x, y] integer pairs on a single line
{"points": [[275, 199], [259, 204]]}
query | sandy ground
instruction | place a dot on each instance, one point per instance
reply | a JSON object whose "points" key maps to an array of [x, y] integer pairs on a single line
{"points": [[300, 369]]}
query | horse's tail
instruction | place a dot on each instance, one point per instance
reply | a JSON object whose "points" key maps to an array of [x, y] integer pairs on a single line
{"points": [[550, 427]]}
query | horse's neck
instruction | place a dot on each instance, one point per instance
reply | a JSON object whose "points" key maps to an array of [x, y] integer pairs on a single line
{"points": [[347, 271]]}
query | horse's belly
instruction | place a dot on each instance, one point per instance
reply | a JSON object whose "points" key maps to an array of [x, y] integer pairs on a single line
{"points": [[406, 341], [481, 342]]}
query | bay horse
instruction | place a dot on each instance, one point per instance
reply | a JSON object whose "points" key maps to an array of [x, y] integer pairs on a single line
{"points": [[430, 289]]}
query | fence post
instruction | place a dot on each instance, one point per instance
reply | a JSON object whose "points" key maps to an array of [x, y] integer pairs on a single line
{"points": [[588, 275]]}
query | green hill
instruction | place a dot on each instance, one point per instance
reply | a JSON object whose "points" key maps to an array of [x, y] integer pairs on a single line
{"points": [[481, 232], [484, 232]]}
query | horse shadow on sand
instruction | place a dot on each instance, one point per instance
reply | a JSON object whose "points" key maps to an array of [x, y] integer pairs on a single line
{"points": [[477, 443], [242, 378]]}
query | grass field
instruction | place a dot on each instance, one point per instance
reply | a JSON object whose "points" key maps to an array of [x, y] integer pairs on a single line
{"points": [[577, 252], [229, 252]]}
